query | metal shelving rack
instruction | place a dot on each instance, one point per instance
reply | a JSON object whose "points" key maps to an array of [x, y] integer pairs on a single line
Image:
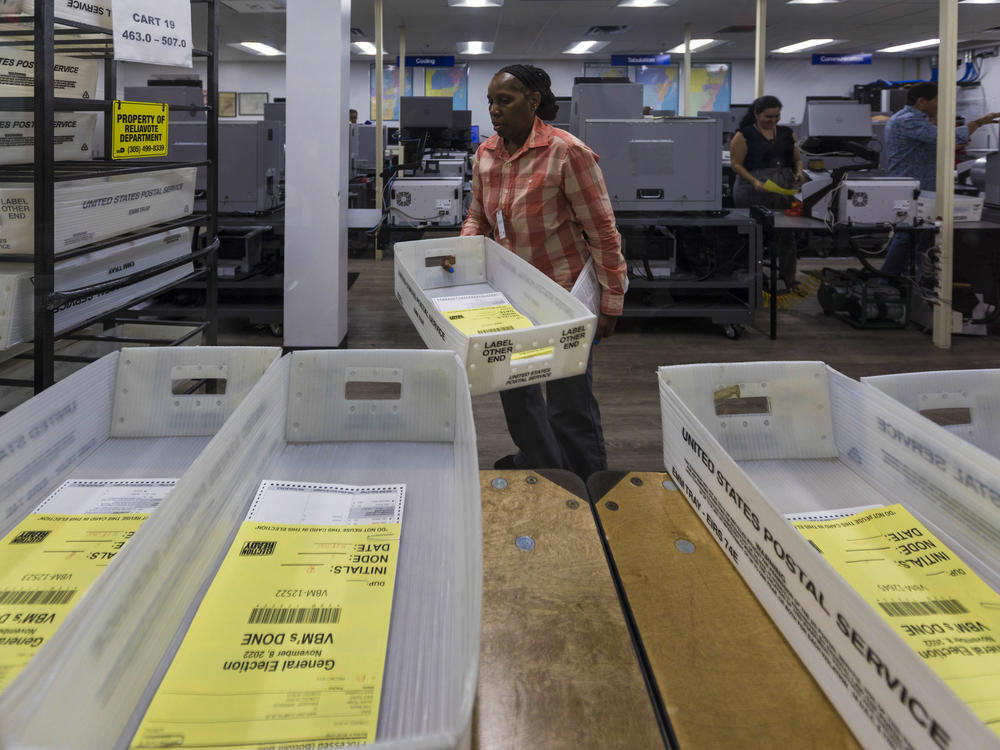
{"points": [[45, 172]]}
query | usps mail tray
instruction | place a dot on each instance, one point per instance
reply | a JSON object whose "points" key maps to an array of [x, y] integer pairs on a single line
{"points": [[556, 347], [749, 443], [357, 417]]}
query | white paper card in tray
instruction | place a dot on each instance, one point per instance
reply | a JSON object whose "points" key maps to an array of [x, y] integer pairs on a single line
{"points": [[587, 289], [470, 301], [105, 496], [75, 78], [828, 515], [74, 134], [97, 209], [327, 504], [153, 31]]}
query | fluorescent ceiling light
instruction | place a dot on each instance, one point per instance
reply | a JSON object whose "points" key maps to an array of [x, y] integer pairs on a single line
{"points": [[979, 2], [475, 48], [813, 2], [365, 48], [475, 3], [912, 45], [645, 3], [696, 44], [259, 48], [799, 46], [583, 48]]}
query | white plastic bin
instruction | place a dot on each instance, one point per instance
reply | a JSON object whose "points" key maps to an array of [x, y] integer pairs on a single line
{"points": [[963, 402], [967, 207], [73, 77], [96, 208], [93, 12], [74, 137], [303, 422], [749, 443], [17, 291], [24, 369], [562, 322]]}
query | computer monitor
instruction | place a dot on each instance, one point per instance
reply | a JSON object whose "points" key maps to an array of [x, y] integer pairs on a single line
{"points": [[461, 119], [425, 112], [475, 133], [837, 119]]}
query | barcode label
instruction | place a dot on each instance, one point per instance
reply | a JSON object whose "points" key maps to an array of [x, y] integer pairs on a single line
{"points": [[499, 329], [50, 596], [31, 537], [933, 607], [294, 615]]}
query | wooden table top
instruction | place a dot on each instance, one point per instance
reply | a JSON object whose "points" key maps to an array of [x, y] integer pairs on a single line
{"points": [[557, 668], [726, 675]]}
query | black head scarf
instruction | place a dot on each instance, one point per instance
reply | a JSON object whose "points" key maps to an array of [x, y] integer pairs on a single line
{"points": [[536, 79]]}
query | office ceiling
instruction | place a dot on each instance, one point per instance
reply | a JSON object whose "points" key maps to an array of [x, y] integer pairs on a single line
{"points": [[541, 29]]}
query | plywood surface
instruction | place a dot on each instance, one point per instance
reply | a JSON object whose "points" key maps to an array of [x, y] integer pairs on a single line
{"points": [[556, 669], [726, 675]]}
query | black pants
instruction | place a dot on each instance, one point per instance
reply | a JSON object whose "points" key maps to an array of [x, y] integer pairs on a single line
{"points": [[561, 430]]}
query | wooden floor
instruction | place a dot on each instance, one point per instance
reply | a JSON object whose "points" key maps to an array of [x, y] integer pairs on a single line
{"points": [[625, 365]]}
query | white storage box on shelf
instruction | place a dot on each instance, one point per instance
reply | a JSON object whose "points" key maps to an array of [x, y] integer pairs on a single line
{"points": [[749, 443], [561, 321], [119, 418], [73, 77], [109, 264], [967, 207], [93, 12], [96, 208], [74, 137], [963, 402], [304, 422], [20, 369]]}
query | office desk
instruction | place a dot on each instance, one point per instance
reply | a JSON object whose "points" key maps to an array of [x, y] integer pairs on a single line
{"points": [[725, 675]]}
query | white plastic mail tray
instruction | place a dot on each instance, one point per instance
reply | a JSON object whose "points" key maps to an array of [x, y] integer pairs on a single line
{"points": [[109, 264], [963, 402], [748, 443], [358, 417], [157, 334], [96, 208], [74, 136], [120, 418], [72, 77], [563, 330], [967, 207]]}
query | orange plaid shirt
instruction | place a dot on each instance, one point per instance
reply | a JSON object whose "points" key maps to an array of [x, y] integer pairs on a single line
{"points": [[550, 193]]}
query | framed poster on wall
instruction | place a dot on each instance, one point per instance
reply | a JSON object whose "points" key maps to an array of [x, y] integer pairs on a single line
{"points": [[390, 90], [252, 103], [227, 104], [453, 82], [660, 86], [711, 87], [604, 70]]}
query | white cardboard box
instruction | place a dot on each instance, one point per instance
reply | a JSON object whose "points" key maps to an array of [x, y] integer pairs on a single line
{"points": [[109, 264], [75, 77], [93, 12], [561, 320], [808, 439], [967, 207], [74, 136], [968, 400], [96, 208], [303, 422]]}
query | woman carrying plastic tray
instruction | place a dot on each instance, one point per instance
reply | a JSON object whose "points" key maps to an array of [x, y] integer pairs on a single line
{"points": [[538, 191]]}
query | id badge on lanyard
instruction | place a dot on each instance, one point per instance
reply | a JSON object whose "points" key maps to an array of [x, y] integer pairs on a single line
{"points": [[500, 230]]}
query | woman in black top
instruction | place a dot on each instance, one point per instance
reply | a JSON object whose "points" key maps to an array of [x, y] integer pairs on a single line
{"points": [[762, 150]]}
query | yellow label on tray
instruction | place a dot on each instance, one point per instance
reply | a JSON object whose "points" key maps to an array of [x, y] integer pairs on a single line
{"points": [[492, 319], [288, 647], [531, 353], [48, 561], [943, 610]]}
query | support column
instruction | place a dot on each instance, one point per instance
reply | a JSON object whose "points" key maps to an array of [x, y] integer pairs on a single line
{"points": [[317, 70], [402, 83], [379, 97], [760, 56], [947, 94], [687, 71]]}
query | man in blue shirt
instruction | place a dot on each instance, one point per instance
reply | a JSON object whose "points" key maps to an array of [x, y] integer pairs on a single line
{"points": [[911, 148]]}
